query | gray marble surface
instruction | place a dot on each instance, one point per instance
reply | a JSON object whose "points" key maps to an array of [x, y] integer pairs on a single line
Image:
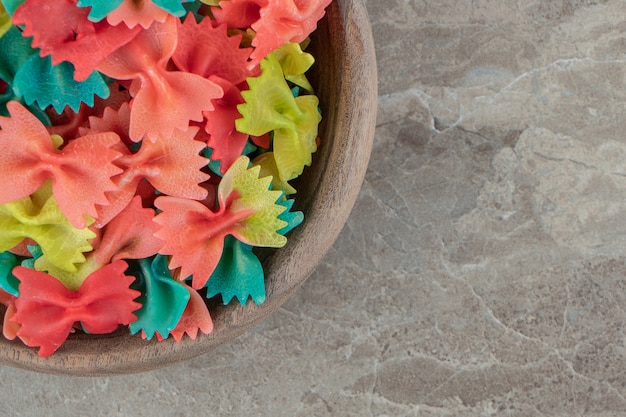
{"points": [[482, 272]]}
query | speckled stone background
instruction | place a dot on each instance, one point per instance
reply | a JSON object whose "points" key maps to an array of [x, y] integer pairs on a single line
{"points": [[483, 271]]}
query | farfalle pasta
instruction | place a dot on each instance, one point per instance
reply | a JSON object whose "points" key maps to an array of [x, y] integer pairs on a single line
{"points": [[148, 148]]}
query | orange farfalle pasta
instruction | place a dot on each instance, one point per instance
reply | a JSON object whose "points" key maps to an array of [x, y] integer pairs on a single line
{"points": [[239, 14], [81, 171], [133, 13], [162, 100], [208, 51], [172, 165], [195, 318]]}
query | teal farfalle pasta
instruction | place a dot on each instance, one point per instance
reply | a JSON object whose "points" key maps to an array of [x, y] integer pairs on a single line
{"points": [[163, 299], [148, 151], [239, 274], [15, 50], [8, 282], [41, 83], [37, 82], [99, 9], [11, 5]]}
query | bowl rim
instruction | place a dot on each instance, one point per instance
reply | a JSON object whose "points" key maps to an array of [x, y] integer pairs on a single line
{"points": [[352, 49]]}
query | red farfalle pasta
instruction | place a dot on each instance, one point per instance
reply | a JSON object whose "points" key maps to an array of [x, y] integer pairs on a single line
{"points": [[62, 29], [81, 171], [162, 100], [46, 310], [224, 138]]}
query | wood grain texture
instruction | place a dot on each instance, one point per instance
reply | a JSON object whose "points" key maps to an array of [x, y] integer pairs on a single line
{"points": [[345, 79]]}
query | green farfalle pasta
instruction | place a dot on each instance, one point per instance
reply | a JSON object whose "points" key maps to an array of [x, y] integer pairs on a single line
{"points": [[295, 63], [254, 194], [271, 106], [38, 217], [5, 20], [268, 169]]}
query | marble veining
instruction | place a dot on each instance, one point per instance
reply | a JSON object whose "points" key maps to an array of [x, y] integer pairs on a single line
{"points": [[482, 271]]}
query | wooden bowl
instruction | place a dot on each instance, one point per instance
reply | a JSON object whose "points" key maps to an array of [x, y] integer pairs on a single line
{"points": [[345, 80]]}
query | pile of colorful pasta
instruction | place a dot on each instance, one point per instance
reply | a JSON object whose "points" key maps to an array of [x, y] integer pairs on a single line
{"points": [[147, 147]]}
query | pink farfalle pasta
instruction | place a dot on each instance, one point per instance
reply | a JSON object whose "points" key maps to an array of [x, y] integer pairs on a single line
{"points": [[64, 32]]}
